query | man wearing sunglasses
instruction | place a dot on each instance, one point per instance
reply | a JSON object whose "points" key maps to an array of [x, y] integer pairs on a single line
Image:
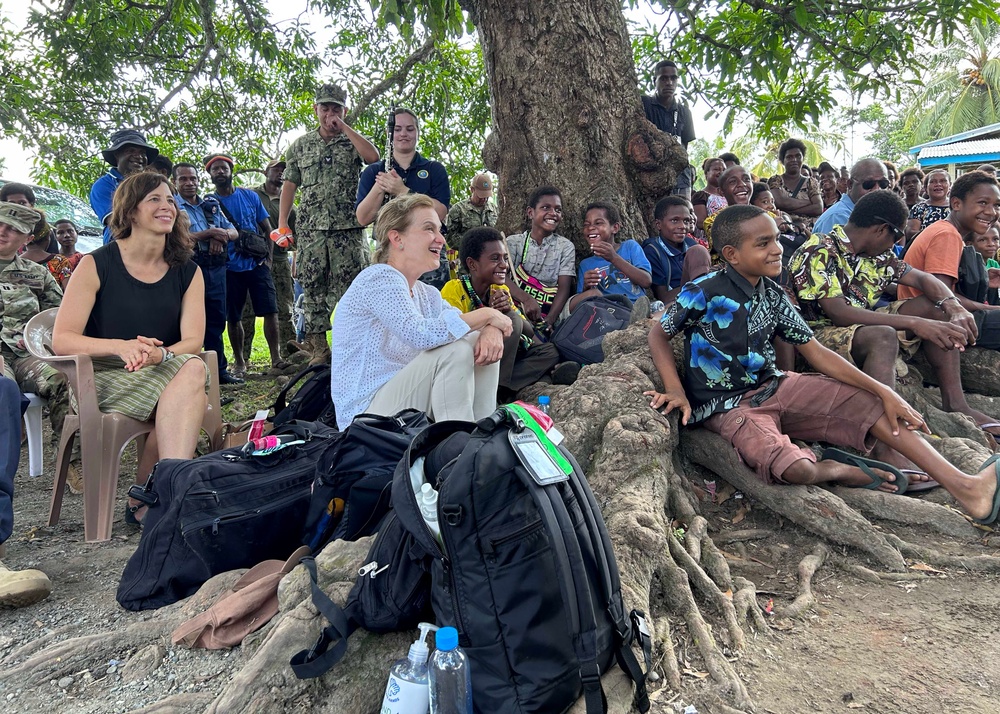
{"points": [[867, 175], [839, 279]]}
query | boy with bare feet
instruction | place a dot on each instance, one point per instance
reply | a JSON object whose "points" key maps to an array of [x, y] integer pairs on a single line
{"points": [[731, 385]]}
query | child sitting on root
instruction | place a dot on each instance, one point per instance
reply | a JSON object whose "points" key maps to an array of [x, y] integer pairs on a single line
{"points": [[615, 268], [732, 387]]}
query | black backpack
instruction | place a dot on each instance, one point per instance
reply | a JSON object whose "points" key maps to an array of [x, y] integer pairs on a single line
{"points": [[580, 335], [529, 579], [312, 401], [219, 512], [351, 490]]}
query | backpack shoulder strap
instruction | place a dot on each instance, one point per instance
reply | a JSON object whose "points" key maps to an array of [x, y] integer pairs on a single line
{"points": [[320, 658], [279, 401]]}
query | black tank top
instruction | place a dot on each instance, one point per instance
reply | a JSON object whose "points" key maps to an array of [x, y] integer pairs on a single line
{"points": [[126, 307]]}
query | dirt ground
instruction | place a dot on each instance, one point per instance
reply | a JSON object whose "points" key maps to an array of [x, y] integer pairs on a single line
{"points": [[923, 647]]}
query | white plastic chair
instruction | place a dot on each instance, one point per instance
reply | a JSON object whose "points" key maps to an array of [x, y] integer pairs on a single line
{"points": [[33, 427]]}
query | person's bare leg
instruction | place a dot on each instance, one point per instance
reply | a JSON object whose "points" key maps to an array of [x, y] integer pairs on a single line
{"points": [[947, 366], [974, 491], [179, 414], [271, 336], [236, 342], [875, 348], [806, 472]]}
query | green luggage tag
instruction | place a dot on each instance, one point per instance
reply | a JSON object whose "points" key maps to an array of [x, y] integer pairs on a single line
{"points": [[535, 450]]}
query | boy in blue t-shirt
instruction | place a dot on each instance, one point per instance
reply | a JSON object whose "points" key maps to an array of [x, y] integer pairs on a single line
{"points": [[613, 269], [732, 386]]}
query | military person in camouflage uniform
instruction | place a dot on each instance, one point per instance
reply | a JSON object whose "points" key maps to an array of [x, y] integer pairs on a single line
{"points": [[27, 288], [325, 164], [281, 269], [473, 212]]}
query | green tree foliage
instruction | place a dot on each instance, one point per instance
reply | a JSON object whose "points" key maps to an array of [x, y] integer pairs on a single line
{"points": [[890, 138], [781, 61], [208, 75], [963, 90]]}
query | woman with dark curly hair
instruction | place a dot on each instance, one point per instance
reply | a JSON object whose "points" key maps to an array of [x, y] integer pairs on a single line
{"points": [[137, 306], [795, 193]]}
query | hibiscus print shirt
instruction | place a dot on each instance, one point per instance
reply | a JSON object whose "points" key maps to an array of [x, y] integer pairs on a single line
{"points": [[728, 325]]}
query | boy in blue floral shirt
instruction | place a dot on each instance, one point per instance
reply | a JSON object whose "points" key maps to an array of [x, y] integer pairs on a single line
{"points": [[732, 387]]}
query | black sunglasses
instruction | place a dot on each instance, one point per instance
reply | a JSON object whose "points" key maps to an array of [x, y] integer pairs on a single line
{"points": [[868, 184], [897, 233]]}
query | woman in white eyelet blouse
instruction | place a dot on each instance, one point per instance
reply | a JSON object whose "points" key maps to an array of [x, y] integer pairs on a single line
{"points": [[397, 344]]}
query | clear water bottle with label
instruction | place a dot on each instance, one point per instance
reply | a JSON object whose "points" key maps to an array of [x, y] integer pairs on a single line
{"points": [[407, 691], [450, 679]]}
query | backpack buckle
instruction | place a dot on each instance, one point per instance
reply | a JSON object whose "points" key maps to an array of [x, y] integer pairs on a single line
{"points": [[140, 494], [452, 514]]}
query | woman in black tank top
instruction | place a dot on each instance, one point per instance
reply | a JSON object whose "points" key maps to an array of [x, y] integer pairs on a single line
{"points": [[137, 307]]}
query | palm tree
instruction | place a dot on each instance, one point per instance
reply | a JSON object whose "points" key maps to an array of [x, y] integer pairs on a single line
{"points": [[963, 93]]}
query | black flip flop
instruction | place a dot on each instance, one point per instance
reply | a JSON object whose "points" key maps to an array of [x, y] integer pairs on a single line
{"points": [[919, 486], [995, 513], [902, 483]]}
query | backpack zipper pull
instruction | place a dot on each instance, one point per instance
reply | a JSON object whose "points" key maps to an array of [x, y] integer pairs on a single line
{"points": [[368, 568]]}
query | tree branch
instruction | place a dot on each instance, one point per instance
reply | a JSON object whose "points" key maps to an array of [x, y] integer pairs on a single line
{"points": [[397, 78]]}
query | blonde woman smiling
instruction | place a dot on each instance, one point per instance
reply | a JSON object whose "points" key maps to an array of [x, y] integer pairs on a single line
{"points": [[397, 344]]}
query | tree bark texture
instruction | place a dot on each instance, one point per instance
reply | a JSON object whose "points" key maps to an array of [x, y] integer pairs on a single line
{"points": [[566, 112]]}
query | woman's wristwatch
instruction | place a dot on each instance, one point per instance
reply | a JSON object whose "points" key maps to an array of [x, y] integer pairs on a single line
{"points": [[165, 355]]}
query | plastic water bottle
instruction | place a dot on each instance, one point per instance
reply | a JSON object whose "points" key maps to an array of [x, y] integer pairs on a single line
{"points": [[407, 691], [543, 403], [450, 680], [427, 499]]}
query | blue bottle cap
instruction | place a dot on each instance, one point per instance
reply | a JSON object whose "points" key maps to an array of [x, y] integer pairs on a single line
{"points": [[544, 399], [446, 639]]}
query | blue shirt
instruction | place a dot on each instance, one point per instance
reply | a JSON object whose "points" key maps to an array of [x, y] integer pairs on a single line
{"points": [[728, 325], [247, 211], [621, 285], [196, 213], [100, 198], [423, 176], [666, 260], [836, 215]]}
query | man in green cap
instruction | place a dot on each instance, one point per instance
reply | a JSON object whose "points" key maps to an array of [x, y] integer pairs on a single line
{"points": [[325, 163], [27, 288], [473, 212]]}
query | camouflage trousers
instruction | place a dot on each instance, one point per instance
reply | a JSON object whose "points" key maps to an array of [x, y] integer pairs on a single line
{"points": [[326, 263], [33, 375], [281, 272]]}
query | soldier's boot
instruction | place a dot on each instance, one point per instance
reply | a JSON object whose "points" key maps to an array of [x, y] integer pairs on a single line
{"points": [[318, 348]]}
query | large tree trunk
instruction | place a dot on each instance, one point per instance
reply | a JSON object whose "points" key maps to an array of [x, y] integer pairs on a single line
{"points": [[566, 112]]}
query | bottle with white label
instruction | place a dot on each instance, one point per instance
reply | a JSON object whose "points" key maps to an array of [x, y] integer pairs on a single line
{"points": [[427, 499], [407, 690]]}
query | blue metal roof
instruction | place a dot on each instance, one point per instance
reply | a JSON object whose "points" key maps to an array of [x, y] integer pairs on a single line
{"points": [[973, 134]]}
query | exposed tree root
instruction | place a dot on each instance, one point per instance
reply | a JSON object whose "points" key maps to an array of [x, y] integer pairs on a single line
{"points": [[812, 508], [668, 657], [971, 563], [807, 569], [748, 610], [909, 511], [710, 591], [872, 576], [742, 536]]}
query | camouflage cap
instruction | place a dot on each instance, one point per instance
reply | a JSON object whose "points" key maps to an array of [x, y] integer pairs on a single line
{"points": [[275, 162], [330, 93], [21, 218], [482, 184]]}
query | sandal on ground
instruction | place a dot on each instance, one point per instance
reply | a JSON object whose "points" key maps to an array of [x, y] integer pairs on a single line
{"points": [[991, 519], [867, 465], [918, 486]]}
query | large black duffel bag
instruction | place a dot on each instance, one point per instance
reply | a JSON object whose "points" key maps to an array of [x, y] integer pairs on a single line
{"points": [[220, 512]]}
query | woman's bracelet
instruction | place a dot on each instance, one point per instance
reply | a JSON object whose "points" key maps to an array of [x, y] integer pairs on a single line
{"points": [[940, 303], [165, 355]]}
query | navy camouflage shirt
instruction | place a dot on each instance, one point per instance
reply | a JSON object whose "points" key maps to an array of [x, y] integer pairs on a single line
{"points": [[728, 325]]}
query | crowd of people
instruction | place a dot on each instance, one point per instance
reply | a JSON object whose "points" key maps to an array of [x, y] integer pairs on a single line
{"points": [[847, 270]]}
